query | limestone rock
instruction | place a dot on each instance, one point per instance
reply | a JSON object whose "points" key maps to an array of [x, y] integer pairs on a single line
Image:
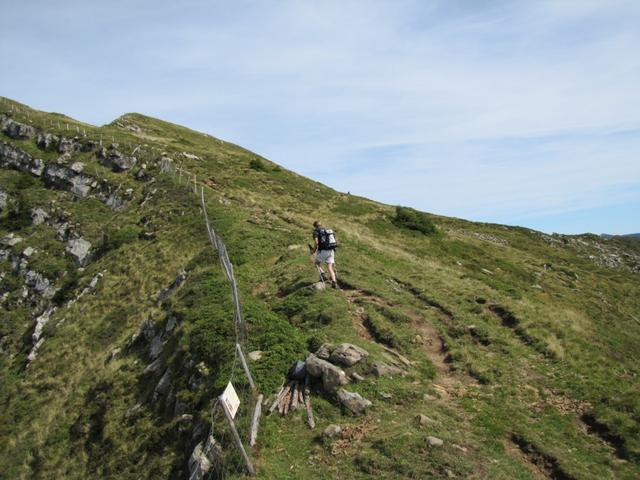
{"points": [[113, 159], [255, 355], [47, 141], [41, 321], [154, 367], [16, 130], [11, 240], [163, 386], [353, 401], [172, 323], [146, 332], [80, 251], [39, 283], [382, 369], [4, 199], [347, 354], [60, 176], [332, 377], [434, 442], [38, 216], [332, 431], [27, 252], [77, 167], [179, 280], [156, 346], [324, 352], [423, 420], [11, 157], [66, 145], [203, 458]]}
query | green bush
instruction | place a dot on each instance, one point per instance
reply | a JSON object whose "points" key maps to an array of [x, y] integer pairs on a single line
{"points": [[115, 238], [258, 165], [414, 220]]}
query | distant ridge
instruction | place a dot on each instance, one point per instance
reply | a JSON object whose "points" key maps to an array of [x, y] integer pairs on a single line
{"points": [[632, 235]]}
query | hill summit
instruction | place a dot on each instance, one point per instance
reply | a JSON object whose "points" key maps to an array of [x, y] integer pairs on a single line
{"points": [[452, 349]]}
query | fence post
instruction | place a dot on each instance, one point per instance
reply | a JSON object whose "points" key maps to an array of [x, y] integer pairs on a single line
{"points": [[236, 437], [245, 366]]}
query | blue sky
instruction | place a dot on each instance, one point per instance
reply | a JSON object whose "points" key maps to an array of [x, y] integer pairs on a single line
{"points": [[513, 112]]}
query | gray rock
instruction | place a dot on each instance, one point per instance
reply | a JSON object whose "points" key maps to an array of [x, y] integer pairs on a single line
{"points": [[156, 346], [332, 431], [203, 458], [172, 323], [180, 408], [47, 141], [38, 216], [255, 355], [77, 167], [297, 371], [65, 178], [154, 367], [113, 159], [34, 351], [146, 332], [355, 376], [27, 252], [324, 352], [89, 146], [179, 280], [66, 145], [353, 401], [11, 240], [434, 442], [347, 354], [80, 251], [11, 157], [381, 369], [41, 321], [113, 200], [163, 386], [4, 199], [423, 420], [16, 130], [332, 377], [318, 286], [39, 283]]}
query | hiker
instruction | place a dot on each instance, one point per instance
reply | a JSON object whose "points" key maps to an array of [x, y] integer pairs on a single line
{"points": [[325, 249]]}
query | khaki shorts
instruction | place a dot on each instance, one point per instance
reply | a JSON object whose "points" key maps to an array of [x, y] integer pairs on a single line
{"points": [[326, 256]]}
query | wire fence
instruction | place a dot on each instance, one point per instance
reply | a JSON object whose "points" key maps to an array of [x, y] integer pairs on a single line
{"points": [[188, 179]]}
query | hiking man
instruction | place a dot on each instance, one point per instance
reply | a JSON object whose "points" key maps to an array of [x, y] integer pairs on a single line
{"points": [[325, 249]]}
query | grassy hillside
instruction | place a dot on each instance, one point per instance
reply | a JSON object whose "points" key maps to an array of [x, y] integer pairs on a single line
{"points": [[522, 345]]}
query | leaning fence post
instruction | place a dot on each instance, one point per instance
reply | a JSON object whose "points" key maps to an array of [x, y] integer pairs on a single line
{"points": [[255, 422], [236, 437], [245, 366]]}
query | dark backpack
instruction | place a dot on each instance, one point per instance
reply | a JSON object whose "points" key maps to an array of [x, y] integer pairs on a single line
{"points": [[327, 239]]}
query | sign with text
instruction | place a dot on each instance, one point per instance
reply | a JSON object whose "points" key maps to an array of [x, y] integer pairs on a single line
{"points": [[230, 399]]}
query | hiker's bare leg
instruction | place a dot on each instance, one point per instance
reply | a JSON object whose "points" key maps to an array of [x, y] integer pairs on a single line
{"points": [[332, 272]]}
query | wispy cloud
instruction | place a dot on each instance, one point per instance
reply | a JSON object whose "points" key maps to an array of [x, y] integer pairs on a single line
{"points": [[490, 110]]}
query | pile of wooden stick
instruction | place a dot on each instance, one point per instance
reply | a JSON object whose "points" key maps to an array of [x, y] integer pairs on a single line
{"points": [[292, 396]]}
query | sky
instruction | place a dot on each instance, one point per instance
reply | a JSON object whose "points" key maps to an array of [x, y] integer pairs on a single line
{"points": [[517, 112]]}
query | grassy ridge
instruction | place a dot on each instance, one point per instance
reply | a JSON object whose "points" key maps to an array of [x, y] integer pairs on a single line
{"points": [[536, 375]]}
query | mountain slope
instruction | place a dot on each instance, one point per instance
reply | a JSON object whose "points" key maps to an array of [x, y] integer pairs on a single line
{"points": [[522, 345]]}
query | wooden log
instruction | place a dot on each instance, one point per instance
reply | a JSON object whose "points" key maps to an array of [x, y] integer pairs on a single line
{"points": [[255, 422], [402, 358], [277, 400], [284, 398], [293, 404], [307, 403]]}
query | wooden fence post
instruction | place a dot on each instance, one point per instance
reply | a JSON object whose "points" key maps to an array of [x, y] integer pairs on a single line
{"points": [[236, 437]]}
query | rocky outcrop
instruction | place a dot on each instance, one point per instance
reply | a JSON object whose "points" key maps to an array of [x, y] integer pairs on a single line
{"points": [[354, 402], [16, 130], [203, 458], [38, 216], [381, 369], [113, 159], [11, 157], [65, 178], [179, 280], [66, 145], [41, 321], [80, 251], [332, 377], [47, 141], [347, 354], [39, 283]]}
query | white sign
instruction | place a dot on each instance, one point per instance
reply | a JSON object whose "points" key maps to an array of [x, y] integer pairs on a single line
{"points": [[230, 399]]}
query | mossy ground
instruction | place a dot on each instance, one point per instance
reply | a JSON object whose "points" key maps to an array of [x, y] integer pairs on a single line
{"points": [[539, 341]]}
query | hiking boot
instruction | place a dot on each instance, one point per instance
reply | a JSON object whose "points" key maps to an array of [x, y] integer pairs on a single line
{"points": [[334, 284], [323, 277]]}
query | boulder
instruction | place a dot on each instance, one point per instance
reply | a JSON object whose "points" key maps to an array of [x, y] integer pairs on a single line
{"points": [[39, 283], [347, 354], [113, 159], [77, 167], [297, 371], [11, 157], [255, 355], [66, 145], [203, 458], [423, 420], [47, 141], [324, 352], [434, 442], [332, 431], [382, 369], [353, 401], [16, 130], [27, 252], [60, 176], [332, 377], [80, 251], [4, 199], [38, 216]]}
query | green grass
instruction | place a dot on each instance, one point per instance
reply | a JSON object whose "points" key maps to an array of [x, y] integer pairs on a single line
{"points": [[560, 377]]}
